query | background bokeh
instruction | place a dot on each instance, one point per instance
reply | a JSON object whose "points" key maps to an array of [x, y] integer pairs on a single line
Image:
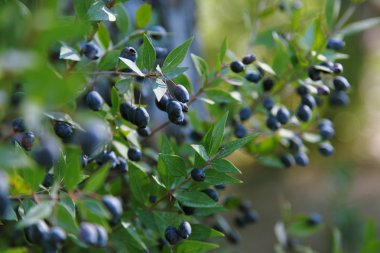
{"points": [[343, 188]]}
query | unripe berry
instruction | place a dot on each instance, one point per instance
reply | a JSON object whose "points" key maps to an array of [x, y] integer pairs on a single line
{"points": [[198, 175], [181, 93], [237, 66]]}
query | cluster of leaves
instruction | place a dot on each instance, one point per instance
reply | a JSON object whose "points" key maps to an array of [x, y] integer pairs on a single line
{"points": [[62, 184]]}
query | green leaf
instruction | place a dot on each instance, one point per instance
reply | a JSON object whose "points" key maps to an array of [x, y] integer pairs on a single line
{"points": [[13, 158], [95, 207], [103, 36], [201, 233], [72, 174], [143, 15], [123, 85], [233, 145], [225, 166], [110, 60], [266, 68], [165, 146], [139, 183], [220, 96], [36, 213], [147, 55], [201, 151], [158, 220], [359, 26], [122, 20], [214, 177], [99, 12], [190, 246], [64, 219], [337, 241], [16, 250], [96, 180], [176, 56], [68, 53], [159, 88], [174, 164], [81, 8], [132, 234], [132, 66], [195, 199], [214, 138], [300, 227], [200, 65], [222, 51], [332, 8]]}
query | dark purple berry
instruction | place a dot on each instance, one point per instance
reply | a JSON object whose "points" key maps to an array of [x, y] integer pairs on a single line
{"points": [[181, 93], [198, 175], [184, 230], [335, 44], [18, 125], [129, 53], [248, 59], [237, 66], [212, 194], [326, 149], [304, 113], [268, 84], [253, 77], [301, 158], [162, 103], [134, 154], [341, 83], [171, 235], [94, 100]]}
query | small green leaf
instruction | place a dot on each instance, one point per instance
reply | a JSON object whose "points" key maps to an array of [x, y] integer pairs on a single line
{"points": [[159, 88], [122, 20], [81, 8], [68, 53], [72, 174], [65, 220], [225, 166], [230, 147], [266, 68], [103, 36], [222, 51], [332, 8], [95, 207], [139, 183], [143, 15], [96, 180], [200, 65], [190, 246], [214, 177], [201, 232], [201, 151], [175, 164], [147, 55], [359, 26], [132, 66], [123, 85], [214, 139], [165, 146], [176, 56], [109, 60], [99, 12], [195, 199], [36, 213]]}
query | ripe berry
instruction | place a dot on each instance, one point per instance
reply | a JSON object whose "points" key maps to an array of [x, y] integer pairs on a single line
{"points": [[314, 74], [268, 103], [184, 230], [335, 44], [268, 84], [141, 117], [174, 110], [327, 64], [48, 180], [326, 149], [18, 125], [240, 131], [102, 236], [287, 160], [220, 186], [337, 68], [240, 221], [245, 206], [88, 233], [47, 153], [326, 132], [233, 237], [253, 77], [129, 53], [244, 113], [272, 123], [309, 100], [96, 136], [184, 106], [144, 131], [295, 143], [198, 175], [314, 219], [187, 210], [94, 100], [57, 235], [301, 158], [122, 165], [251, 216], [181, 93], [339, 98], [341, 83], [323, 90], [153, 199], [63, 130], [302, 90], [27, 140], [114, 206], [162, 103], [171, 235], [304, 113], [212, 194], [134, 154], [128, 111], [237, 66], [248, 59], [158, 32], [37, 233], [90, 51], [283, 115], [161, 52]]}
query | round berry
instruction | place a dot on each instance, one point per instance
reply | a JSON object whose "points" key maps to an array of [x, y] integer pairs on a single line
{"points": [[251, 216], [27, 140], [335, 44], [339, 98], [198, 175], [122, 165], [268, 84], [314, 219], [47, 153], [90, 51], [268, 103], [48, 180], [272, 123], [309, 101], [248, 59], [63, 130], [240, 131], [295, 143], [212, 194], [187, 210], [94, 100], [18, 125], [181, 93], [314, 74], [161, 52], [283, 115], [301, 158], [341, 83], [184, 230], [162, 103], [114, 206], [102, 236], [245, 113], [37, 233], [57, 235], [337, 68], [129, 53], [128, 111], [157, 32], [326, 132], [240, 221], [326, 149], [233, 237], [141, 117], [287, 160], [237, 66], [144, 131], [303, 90], [175, 114], [253, 77], [171, 235], [134, 154], [304, 113], [88, 233], [323, 90]]}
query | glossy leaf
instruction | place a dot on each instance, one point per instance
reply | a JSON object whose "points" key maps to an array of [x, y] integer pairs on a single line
{"points": [[176, 56]]}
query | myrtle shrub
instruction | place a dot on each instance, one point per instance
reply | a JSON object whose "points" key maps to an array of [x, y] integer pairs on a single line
{"points": [[83, 166]]}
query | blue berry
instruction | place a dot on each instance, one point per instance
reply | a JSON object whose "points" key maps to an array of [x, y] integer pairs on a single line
{"points": [[233, 237], [48, 180], [88, 233], [272, 123], [302, 90], [268, 84], [141, 117], [63, 130], [90, 51], [162, 103], [251, 216], [57, 235], [184, 230], [295, 143], [314, 219], [175, 113], [128, 111], [144, 131], [47, 153], [158, 32], [335, 44], [198, 175], [283, 115], [253, 77], [337, 68], [301, 158], [314, 74], [240, 221], [161, 52], [341, 83], [102, 236], [326, 149], [248, 59], [245, 113], [134, 154], [304, 113], [322, 90], [27, 140], [287, 160], [37, 233], [309, 101], [237, 66], [129, 53], [114, 206], [339, 98], [240, 131], [212, 194], [181, 93], [122, 165], [94, 100], [171, 235], [18, 125], [268, 103], [326, 132]]}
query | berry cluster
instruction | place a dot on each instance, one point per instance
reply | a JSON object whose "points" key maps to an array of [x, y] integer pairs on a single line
{"points": [[173, 235], [247, 215]]}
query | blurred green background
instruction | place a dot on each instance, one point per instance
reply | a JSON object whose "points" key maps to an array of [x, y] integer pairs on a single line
{"points": [[343, 188]]}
